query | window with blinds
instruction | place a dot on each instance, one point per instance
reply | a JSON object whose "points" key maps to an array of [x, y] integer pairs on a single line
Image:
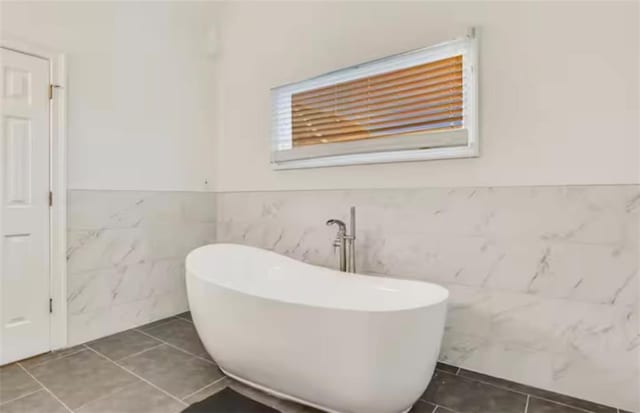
{"points": [[414, 106]]}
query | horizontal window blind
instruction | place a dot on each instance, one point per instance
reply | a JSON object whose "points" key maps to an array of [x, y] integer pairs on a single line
{"points": [[417, 105], [418, 99]]}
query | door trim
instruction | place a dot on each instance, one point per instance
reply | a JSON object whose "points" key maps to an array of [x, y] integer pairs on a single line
{"points": [[57, 184]]}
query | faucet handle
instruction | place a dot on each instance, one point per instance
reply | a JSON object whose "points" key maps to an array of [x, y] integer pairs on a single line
{"points": [[337, 243]]}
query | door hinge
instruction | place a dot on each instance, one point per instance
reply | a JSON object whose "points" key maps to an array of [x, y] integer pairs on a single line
{"points": [[51, 87], [50, 305], [50, 198]]}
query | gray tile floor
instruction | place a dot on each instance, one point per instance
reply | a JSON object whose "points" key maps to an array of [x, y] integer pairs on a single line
{"points": [[162, 368]]}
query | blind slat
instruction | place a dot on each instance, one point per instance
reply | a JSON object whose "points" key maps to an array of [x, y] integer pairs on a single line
{"points": [[372, 122], [388, 111], [424, 95], [384, 77], [373, 126], [453, 73], [374, 96], [392, 106], [413, 128]]}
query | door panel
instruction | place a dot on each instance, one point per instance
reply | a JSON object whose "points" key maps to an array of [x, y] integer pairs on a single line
{"points": [[24, 200]]}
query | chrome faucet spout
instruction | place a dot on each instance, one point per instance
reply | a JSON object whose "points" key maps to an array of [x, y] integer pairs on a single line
{"points": [[341, 225]]}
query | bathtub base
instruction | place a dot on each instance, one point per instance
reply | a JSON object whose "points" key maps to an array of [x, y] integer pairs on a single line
{"points": [[275, 393], [281, 395]]}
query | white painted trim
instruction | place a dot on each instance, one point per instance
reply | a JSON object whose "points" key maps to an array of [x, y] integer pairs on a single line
{"points": [[441, 139], [59, 208], [467, 151], [57, 184]]}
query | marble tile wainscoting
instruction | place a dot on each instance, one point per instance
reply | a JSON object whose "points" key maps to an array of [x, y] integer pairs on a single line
{"points": [[543, 280], [125, 253]]}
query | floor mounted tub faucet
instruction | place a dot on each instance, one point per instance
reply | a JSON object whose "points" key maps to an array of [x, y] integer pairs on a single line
{"points": [[345, 242]]}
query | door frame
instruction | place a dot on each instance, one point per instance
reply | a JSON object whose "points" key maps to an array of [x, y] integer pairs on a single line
{"points": [[57, 184]]}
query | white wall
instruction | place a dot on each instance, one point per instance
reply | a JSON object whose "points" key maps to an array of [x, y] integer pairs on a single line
{"points": [[141, 89], [559, 88]]}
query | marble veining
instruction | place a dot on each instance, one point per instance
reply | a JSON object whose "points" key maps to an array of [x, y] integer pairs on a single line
{"points": [[125, 256], [544, 280]]}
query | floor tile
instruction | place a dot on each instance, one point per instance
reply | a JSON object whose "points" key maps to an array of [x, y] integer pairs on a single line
{"points": [[38, 402], [534, 391], [176, 372], [298, 408], [82, 377], [423, 407], [53, 355], [469, 396], [181, 334], [544, 406], [121, 345], [447, 367], [14, 382], [185, 316], [155, 324], [207, 391], [137, 398], [441, 409]]}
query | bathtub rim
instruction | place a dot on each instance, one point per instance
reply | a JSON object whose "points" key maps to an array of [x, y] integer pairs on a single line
{"points": [[442, 299]]}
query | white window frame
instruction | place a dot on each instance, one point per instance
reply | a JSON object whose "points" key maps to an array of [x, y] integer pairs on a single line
{"points": [[447, 144]]}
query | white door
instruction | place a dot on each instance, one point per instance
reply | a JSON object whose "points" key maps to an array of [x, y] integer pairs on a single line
{"points": [[24, 198]]}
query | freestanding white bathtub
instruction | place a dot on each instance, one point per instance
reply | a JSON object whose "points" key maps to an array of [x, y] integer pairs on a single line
{"points": [[340, 342]]}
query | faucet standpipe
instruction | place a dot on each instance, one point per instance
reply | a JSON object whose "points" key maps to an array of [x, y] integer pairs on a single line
{"points": [[345, 243]]}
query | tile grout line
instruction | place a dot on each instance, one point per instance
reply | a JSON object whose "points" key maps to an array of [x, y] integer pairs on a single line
{"points": [[184, 319], [45, 388], [158, 323], [21, 396], [449, 409], [528, 394], [487, 383], [104, 396], [178, 348], [554, 401], [523, 393], [202, 388], [138, 352], [139, 377], [59, 358]]}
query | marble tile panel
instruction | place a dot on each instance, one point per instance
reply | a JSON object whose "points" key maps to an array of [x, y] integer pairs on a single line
{"points": [[543, 280], [125, 256]]}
